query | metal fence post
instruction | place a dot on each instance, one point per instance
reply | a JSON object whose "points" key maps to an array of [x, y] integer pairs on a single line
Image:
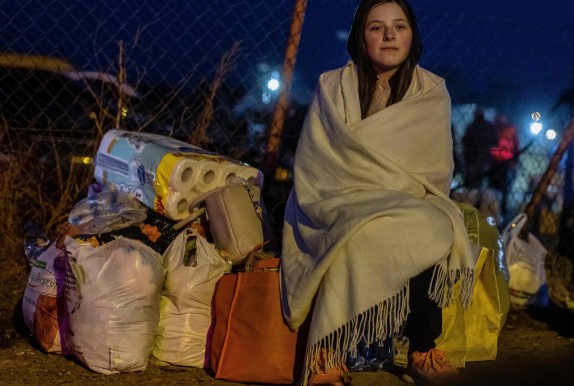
{"points": [[281, 105]]}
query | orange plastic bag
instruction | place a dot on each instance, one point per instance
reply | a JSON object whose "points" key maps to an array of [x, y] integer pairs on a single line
{"points": [[250, 342]]}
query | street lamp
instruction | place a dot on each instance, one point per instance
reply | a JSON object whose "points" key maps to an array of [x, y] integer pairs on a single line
{"points": [[535, 127], [551, 134], [273, 84]]}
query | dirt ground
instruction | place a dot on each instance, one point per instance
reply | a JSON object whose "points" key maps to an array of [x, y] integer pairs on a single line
{"points": [[536, 347]]}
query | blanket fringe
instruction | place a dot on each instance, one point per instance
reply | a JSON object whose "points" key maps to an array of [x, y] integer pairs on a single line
{"points": [[441, 289], [375, 324]]}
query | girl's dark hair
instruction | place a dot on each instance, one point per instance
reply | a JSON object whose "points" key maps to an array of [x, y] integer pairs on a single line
{"points": [[357, 49]]}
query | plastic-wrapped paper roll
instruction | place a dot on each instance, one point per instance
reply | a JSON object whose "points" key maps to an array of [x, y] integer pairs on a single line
{"points": [[196, 175], [176, 205], [207, 176], [162, 172], [228, 173], [183, 174]]}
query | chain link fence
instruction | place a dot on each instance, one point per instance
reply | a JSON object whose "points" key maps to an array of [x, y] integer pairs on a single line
{"points": [[200, 71]]}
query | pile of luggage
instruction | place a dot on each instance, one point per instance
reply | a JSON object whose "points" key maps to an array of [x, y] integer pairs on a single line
{"points": [[131, 276]]}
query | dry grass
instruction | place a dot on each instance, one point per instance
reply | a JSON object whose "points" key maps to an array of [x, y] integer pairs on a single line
{"points": [[34, 191], [226, 64]]}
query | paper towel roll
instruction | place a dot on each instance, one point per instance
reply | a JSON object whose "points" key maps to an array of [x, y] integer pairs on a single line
{"points": [[183, 175], [207, 176], [176, 205], [228, 174]]}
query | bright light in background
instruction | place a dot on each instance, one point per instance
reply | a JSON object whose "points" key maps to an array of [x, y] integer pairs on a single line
{"points": [[535, 128], [536, 116], [551, 134], [273, 84]]}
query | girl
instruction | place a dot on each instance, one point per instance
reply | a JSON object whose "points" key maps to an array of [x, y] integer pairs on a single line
{"points": [[372, 243]]}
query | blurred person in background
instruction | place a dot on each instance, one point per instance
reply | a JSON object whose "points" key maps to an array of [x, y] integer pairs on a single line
{"points": [[480, 136], [504, 159], [372, 243]]}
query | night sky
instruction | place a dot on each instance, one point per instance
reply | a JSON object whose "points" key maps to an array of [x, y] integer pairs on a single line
{"points": [[522, 47], [523, 50]]}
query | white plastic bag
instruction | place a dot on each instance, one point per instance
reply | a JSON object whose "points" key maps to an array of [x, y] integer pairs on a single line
{"points": [[43, 306], [112, 295], [185, 315], [525, 258]]}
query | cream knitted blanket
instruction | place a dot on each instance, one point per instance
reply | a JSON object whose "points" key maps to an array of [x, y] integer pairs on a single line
{"points": [[370, 209]]}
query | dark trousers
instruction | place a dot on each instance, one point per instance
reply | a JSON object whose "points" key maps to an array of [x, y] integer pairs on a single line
{"points": [[424, 323]]}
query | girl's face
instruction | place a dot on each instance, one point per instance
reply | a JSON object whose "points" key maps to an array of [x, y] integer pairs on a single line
{"points": [[388, 37]]}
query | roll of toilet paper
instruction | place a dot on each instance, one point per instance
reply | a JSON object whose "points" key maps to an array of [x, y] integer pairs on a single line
{"points": [[228, 174], [176, 205], [207, 177], [183, 174], [175, 173]]}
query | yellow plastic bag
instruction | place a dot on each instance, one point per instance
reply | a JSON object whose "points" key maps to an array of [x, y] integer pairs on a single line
{"points": [[486, 316], [472, 334], [452, 340]]}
